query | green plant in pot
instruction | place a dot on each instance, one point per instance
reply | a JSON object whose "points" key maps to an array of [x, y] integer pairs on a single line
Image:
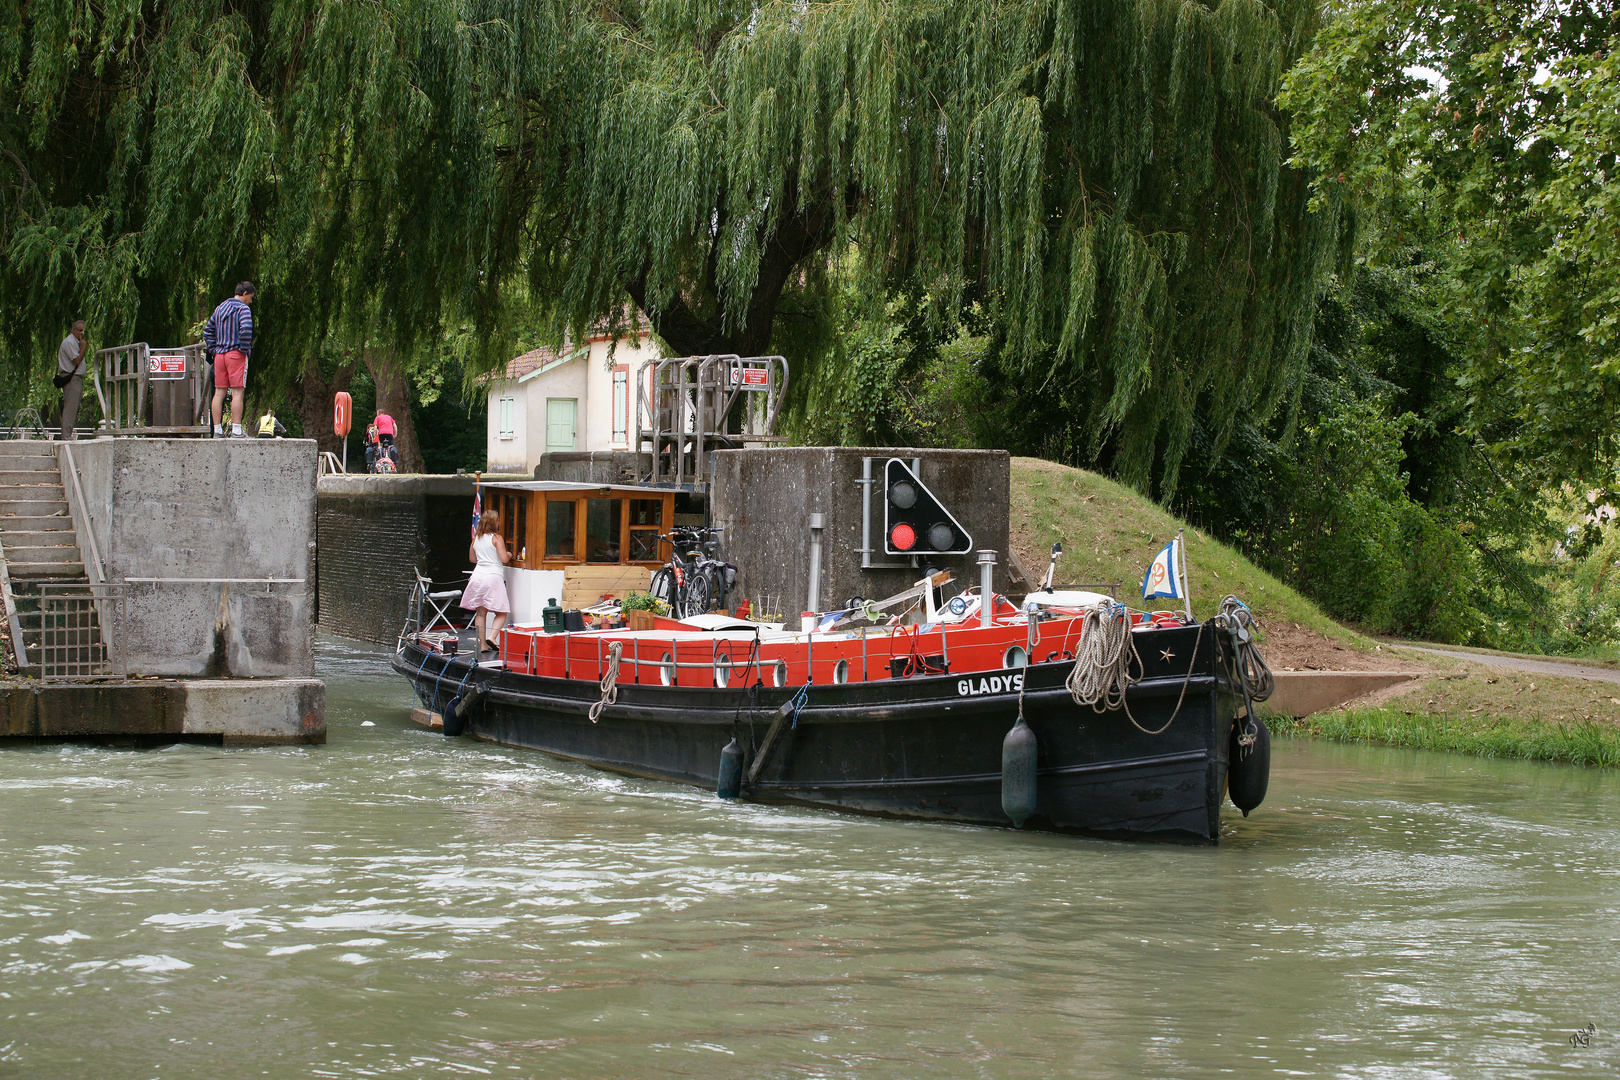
{"points": [[640, 601]]}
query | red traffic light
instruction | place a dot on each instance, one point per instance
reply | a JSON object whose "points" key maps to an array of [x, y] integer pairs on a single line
{"points": [[903, 537]]}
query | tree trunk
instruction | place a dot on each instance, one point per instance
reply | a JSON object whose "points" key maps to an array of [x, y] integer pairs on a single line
{"points": [[800, 234], [313, 396], [393, 398]]}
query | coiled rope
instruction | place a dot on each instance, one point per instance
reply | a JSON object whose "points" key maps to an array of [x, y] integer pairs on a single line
{"points": [[1102, 664], [610, 681], [1237, 620], [1102, 661]]}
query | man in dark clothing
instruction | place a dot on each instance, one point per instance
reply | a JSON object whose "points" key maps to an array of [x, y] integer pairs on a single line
{"points": [[228, 337]]}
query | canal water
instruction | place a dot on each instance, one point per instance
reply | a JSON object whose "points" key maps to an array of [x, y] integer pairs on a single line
{"points": [[398, 904]]}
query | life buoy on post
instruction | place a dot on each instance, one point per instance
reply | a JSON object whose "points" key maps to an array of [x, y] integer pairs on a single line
{"points": [[342, 414], [342, 418]]}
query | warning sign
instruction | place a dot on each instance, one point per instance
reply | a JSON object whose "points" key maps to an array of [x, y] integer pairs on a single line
{"points": [[166, 365], [750, 378]]}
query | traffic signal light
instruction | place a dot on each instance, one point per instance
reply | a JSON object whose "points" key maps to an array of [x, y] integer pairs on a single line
{"points": [[914, 522]]}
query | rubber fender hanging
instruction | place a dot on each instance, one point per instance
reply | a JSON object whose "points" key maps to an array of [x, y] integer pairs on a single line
{"points": [[1018, 751], [729, 785], [460, 708], [451, 717], [1249, 767]]}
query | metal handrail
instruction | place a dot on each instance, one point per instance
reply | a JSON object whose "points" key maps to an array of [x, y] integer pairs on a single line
{"points": [[19, 647], [81, 507]]}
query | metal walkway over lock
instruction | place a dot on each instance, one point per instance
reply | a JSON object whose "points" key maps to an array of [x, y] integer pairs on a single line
{"points": [[687, 407], [147, 391]]}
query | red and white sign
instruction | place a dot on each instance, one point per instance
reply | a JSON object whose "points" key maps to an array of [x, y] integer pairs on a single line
{"points": [[170, 365], [751, 378]]}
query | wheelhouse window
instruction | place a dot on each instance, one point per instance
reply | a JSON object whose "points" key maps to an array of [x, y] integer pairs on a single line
{"points": [[646, 521], [514, 524], [602, 520], [560, 528]]}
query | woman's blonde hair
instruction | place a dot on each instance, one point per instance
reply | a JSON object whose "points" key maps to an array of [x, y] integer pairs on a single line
{"points": [[489, 521]]}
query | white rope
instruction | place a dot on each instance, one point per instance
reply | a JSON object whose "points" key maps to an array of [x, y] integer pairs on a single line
{"points": [[1102, 664], [610, 681], [1102, 661]]}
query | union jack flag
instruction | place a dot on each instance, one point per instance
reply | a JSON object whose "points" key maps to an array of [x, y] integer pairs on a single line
{"points": [[478, 509]]}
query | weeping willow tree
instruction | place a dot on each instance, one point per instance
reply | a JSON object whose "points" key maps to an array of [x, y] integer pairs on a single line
{"points": [[1104, 177], [338, 154]]}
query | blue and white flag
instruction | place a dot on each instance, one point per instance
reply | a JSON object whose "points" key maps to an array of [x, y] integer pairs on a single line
{"points": [[1163, 578]]}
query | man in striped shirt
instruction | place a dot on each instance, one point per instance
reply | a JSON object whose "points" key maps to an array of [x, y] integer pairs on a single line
{"points": [[228, 337]]}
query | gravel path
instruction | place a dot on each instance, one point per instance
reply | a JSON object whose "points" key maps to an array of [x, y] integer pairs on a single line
{"points": [[1540, 667]]}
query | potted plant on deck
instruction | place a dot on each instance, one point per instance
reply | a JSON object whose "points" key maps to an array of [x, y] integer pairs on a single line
{"points": [[641, 610]]}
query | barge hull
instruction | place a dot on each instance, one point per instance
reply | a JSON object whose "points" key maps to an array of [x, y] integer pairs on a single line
{"points": [[923, 747]]}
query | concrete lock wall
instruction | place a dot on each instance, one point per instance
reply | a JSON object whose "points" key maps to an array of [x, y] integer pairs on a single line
{"points": [[215, 542], [763, 500], [372, 532]]}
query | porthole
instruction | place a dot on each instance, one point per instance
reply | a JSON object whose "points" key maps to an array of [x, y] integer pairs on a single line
{"points": [[779, 673], [1016, 657], [841, 672], [722, 671], [666, 670]]}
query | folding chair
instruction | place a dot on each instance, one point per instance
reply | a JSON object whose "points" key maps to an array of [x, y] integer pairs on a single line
{"points": [[438, 603]]}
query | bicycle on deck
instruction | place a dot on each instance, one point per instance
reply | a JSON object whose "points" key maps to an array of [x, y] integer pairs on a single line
{"points": [[695, 580]]}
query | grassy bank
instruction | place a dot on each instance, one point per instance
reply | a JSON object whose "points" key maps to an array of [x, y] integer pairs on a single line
{"points": [[1587, 742], [1471, 708], [1110, 534]]}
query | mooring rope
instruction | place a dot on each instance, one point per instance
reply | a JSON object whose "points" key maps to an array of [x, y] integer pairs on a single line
{"points": [[610, 681], [1237, 620]]}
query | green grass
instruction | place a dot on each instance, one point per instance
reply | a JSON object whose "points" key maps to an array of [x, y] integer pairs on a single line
{"points": [[1110, 534], [1535, 738]]}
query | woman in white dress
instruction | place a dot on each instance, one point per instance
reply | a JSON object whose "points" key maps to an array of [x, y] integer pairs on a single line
{"points": [[486, 589]]}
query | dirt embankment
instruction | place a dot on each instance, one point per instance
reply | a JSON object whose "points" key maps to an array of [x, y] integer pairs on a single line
{"points": [[1290, 647]]}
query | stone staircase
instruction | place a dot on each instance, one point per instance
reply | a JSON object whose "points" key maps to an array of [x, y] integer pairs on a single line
{"points": [[36, 532]]}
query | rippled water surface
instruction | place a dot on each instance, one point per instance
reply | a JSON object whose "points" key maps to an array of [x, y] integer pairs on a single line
{"points": [[396, 904]]}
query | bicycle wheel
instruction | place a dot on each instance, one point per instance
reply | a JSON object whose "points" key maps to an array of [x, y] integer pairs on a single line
{"points": [[663, 587], [697, 593]]}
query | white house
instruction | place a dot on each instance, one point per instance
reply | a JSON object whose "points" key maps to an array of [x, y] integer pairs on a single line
{"points": [[580, 398]]}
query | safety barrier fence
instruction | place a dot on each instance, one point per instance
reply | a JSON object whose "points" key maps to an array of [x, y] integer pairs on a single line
{"points": [[78, 624]]}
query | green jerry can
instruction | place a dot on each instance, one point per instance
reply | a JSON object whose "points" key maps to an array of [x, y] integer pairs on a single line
{"points": [[551, 617]]}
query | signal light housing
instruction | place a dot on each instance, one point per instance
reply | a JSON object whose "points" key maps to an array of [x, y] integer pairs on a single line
{"points": [[914, 521]]}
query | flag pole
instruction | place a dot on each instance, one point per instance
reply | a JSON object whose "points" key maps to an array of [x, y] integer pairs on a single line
{"points": [[1186, 593]]}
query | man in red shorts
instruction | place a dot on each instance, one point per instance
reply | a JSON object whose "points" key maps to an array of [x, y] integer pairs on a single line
{"points": [[228, 337]]}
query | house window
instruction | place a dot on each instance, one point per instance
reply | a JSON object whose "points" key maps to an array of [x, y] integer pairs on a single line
{"points": [[621, 405], [508, 417]]}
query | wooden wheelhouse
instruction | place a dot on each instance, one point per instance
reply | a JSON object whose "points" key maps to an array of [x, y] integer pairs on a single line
{"points": [[578, 542]]}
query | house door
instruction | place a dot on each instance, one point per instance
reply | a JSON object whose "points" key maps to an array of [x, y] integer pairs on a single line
{"points": [[561, 414]]}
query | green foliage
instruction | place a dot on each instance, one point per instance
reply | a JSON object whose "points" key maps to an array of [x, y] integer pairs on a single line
{"points": [[1103, 178], [452, 421], [1488, 132], [335, 153], [640, 601]]}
